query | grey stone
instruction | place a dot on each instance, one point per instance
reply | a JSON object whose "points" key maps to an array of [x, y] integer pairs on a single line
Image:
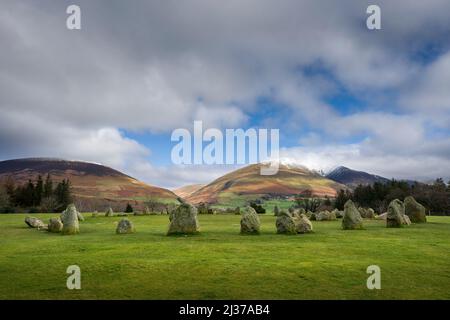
{"points": [[396, 211], [303, 225], [183, 220], [250, 223], [109, 212], [414, 210], [285, 223], [70, 221], [352, 219], [55, 225], [33, 222], [125, 226]]}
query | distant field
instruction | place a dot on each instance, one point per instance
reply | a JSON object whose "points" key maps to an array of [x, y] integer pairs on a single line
{"points": [[221, 264]]}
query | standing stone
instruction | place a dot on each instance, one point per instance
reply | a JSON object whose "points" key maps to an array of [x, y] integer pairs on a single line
{"points": [[125, 226], [109, 212], [250, 223], [285, 223], [396, 211], [303, 225], [146, 210], [352, 218], [33, 222], [183, 220], [70, 221], [55, 225], [79, 215], [414, 210]]}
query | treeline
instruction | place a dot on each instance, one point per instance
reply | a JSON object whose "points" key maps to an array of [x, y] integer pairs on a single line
{"points": [[35, 196], [435, 197]]}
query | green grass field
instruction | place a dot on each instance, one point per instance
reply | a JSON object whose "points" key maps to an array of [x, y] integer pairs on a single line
{"points": [[221, 264]]}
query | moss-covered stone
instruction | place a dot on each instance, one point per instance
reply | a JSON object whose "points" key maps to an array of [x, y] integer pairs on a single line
{"points": [[70, 221], [303, 225], [395, 213], [414, 210], [125, 226], [183, 220], [250, 223], [352, 219], [33, 222], [285, 223], [55, 225]]}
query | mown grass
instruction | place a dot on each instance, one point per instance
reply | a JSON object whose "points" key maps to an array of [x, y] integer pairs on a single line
{"points": [[221, 264]]}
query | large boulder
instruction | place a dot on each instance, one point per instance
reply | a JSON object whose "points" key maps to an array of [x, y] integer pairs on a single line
{"points": [[352, 219], [55, 225], [183, 220], [33, 222], [125, 226], [303, 225], [396, 211], [109, 212], [70, 221], [285, 223], [414, 210], [250, 223]]}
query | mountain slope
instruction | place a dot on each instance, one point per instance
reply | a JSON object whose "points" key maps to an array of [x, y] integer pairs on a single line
{"points": [[247, 183], [93, 185], [186, 191], [353, 178]]}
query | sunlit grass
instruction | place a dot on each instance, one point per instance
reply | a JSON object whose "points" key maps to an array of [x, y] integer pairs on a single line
{"points": [[221, 264]]}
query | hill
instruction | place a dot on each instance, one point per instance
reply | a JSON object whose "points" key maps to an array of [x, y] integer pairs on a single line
{"points": [[186, 191], [245, 184], [352, 178], [94, 186]]}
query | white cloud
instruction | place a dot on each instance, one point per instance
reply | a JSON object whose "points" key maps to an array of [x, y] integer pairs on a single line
{"points": [[156, 66]]}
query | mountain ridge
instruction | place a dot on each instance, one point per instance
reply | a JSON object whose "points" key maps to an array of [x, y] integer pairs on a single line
{"points": [[247, 183], [353, 178], [94, 186]]}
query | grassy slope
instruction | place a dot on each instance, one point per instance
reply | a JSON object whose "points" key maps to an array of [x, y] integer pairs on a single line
{"points": [[239, 186], [221, 264]]}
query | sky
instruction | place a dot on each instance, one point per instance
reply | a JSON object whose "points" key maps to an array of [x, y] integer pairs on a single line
{"points": [[340, 94]]}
